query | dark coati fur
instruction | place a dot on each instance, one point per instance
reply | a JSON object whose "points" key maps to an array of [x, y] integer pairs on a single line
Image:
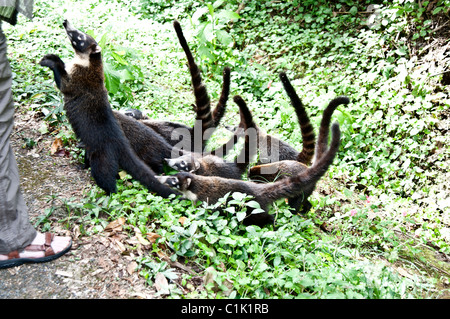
{"points": [[213, 165], [284, 169], [91, 117], [211, 189], [306, 128]]}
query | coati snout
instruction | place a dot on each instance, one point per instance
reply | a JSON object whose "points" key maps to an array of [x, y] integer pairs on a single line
{"points": [[178, 181], [81, 42], [185, 163]]}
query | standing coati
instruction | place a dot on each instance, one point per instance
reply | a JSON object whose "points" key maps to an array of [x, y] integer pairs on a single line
{"points": [[210, 188], [286, 168], [90, 115], [212, 165]]}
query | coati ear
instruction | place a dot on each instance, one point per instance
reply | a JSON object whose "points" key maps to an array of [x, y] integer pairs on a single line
{"points": [[95, 49], [188, 182], [196, 165]]}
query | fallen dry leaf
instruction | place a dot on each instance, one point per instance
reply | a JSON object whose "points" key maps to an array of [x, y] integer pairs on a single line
{"points": [[131, 268], [142, 240], [152, 237], [119, 246], [210, 278], [161, 284], [56, 146], [115, 225], [182, 220]]}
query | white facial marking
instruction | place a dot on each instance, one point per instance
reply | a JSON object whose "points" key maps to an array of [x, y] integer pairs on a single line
{"points": [[171, 163], [161, 179]]}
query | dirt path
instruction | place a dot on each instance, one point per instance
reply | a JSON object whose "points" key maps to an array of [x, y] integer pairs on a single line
{"points": [[93, 268]]}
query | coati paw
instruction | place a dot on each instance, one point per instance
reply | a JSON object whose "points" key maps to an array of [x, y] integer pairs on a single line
{"points": [[51, 60]]}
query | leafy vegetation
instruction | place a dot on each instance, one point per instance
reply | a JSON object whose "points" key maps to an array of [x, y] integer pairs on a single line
{"points": [[381, 205]]}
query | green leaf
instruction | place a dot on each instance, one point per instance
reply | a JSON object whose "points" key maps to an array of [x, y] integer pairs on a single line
{"points": [[224, 37], [240, 216], [228, 14], [211, 9], [198, 14]]}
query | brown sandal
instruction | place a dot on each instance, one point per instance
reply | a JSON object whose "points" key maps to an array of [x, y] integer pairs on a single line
{"points": [[15, 260]]}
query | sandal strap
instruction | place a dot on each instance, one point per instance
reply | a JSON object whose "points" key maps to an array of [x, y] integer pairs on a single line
{"points": [[46, 247], [13, 255]]}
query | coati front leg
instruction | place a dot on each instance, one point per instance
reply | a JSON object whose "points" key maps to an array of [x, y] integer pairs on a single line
{"points": [[55, 63]]}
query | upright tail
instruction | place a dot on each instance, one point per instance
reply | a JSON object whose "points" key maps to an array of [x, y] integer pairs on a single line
{"points": [[296, 185], [322, 140], [250, 146], [306, 127], [202, 99], [219, 110]]}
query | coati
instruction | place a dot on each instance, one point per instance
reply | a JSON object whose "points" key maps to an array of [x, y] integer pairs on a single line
{"points": [[286, 168], [206, 121], [212, 165], [210, 188], [272, 149], [90, 115]]}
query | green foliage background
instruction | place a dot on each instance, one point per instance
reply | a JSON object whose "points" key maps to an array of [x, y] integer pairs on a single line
{"points": [[386, 198]]}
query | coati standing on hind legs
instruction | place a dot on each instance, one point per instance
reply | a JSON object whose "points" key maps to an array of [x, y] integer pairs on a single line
{"points": [[90, 115], [285, 168], [210, 188]]}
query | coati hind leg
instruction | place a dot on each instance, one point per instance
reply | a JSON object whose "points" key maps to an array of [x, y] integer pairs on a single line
{"points": [[104, 170]]}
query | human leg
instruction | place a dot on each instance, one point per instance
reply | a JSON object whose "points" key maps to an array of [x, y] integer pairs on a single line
{"points": [[16, 231]]}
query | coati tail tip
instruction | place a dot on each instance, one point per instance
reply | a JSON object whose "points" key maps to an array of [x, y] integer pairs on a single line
{"points": [[238, 99], [335, 129]]}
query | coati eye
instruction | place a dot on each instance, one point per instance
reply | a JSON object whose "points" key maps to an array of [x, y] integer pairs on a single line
{"points": [[183, 164]]}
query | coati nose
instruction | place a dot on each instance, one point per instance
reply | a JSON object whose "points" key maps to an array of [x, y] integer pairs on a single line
{"points": [[68, 26]]}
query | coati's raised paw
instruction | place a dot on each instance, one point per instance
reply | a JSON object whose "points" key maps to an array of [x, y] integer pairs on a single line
{"points": [[51, 60]]}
